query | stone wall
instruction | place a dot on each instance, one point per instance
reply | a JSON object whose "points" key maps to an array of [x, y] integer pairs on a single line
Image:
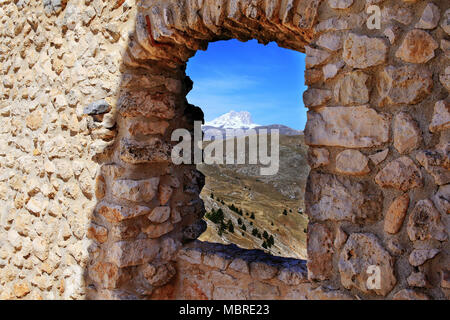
{"points": [[93, 207]]}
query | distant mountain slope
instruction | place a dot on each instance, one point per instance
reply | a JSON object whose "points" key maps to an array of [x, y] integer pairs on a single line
{"points": [[233, 120], [235, 124], [275, 201]]}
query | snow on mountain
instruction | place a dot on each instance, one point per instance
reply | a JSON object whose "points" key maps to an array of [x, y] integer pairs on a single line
{"points": [[233, 120], [228, 125]]}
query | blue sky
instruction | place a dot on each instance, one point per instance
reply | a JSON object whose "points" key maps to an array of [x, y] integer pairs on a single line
{"points": [[267, 81]]}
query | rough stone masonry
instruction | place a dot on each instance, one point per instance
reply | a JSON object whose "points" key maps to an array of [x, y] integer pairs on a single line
{"points": [[91, 206]]}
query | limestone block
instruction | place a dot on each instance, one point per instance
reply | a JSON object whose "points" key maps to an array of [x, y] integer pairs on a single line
{"points": [[352, 89], [441, 116], [362, 52], [401, 174], [349, 127], [419, 256], [425, 223], [407, 134], [437, 164], [135, 190], [396, 213], [430, 17], [407, 84], [320, 252], [352, 162], [134, 252], [330, 197], [417, 47], [361, 251]]}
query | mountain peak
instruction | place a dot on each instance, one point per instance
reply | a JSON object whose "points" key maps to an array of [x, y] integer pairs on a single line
{"points": [[233, 120]]}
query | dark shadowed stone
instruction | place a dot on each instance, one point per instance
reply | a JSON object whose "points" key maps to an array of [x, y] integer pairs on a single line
{"points": [[425, 222], [97, 107]]}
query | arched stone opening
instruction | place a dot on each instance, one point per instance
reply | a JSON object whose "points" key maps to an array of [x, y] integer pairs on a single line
{"points": [[377, 197], [153, 207], [153, 204]]}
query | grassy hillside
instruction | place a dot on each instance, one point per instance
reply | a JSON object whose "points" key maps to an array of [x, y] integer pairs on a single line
{"points": [[266, 203]]}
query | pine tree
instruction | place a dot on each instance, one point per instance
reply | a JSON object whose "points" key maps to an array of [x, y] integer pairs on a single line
{"points": [[285, 212], [212, 195], [264, 245], [252, 216], [265, 235], [230, 226], [239, 221]]}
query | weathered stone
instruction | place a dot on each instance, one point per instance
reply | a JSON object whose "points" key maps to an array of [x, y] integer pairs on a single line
{"points": [[396, 214], [217, 261], [340, 238], [330, 41], [349, 127], [401, 174], [157, 230], [98, 233], [419, 256], [445, 279], [315, 57], [444, 78], [159, 214], [396, 12], [21, 289], [417, 47], [144, 127], [330, 70], [445, 22], [194, 230], [320, 252], [240, 265], [164, 194], [404, 85], [437, 164], [392, 33], [157, 274], [395, 247], [425, 223], [362, 52], [316, 97], [116, 213], [34, 120], [408, 294], [151, 151], [330, 197], [191, 256], [132, 253], [294, 275], [407, 134], [262, 291], [361, 251], [442, 199], [430, 17], [379, 157], [417, 279], [352, 162], [352, 89], [135, 190], [318, 157], [441, 116], [262, 271], [97, 107], [108, 275], [142, 104], [340, 4]]}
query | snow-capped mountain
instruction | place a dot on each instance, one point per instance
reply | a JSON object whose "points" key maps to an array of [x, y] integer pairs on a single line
{"points": [[231, 122]]}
